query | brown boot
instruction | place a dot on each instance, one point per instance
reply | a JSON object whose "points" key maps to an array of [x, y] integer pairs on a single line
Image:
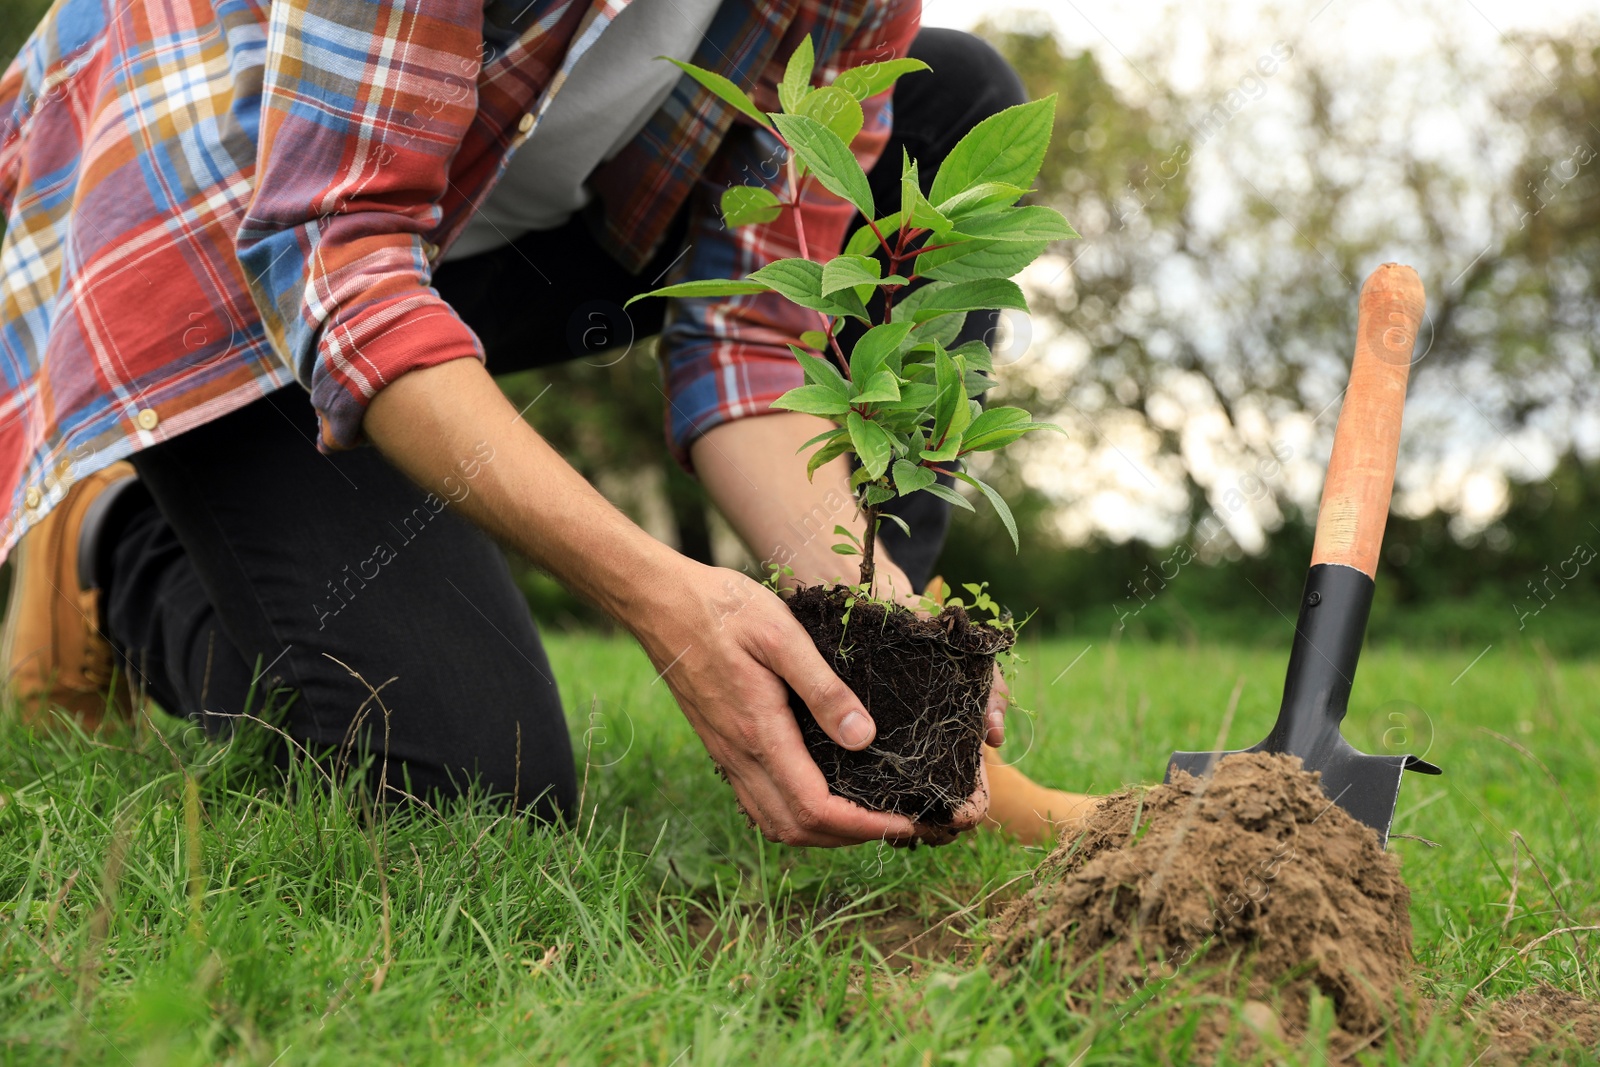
{"points": [[1028, 810], [53, 651]]}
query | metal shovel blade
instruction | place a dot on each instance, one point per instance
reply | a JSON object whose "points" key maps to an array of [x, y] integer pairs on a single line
{"points": [[1316, 695]]}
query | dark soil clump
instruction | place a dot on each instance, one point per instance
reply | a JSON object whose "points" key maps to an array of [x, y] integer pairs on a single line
{"points": [[925, 681], [1250, 885]]}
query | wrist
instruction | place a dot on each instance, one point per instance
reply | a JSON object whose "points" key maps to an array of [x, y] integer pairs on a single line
{"points": [[648, 587]]}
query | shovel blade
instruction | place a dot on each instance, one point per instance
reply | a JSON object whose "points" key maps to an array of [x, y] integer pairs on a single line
{"points": [[1368, 787]]}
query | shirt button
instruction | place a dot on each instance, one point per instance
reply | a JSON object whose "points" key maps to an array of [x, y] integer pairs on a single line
{"points": [[147, 419], [32, 497], [525, 124]]}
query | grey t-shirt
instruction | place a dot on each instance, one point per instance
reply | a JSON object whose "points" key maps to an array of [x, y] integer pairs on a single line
{"points": [[609, 94]]}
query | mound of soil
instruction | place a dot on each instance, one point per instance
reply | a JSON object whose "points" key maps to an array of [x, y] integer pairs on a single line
{"points": [[1250, 884], [925, 681], [1538, 1025]]}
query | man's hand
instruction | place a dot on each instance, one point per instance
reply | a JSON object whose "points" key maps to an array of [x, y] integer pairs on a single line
{"points": [[725, 645], [786, 518]]}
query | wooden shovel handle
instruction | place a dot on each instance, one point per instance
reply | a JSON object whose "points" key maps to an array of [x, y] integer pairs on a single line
{"points": [[1355, 498]]}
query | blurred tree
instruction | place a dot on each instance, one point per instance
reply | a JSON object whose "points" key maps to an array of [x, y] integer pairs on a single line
{"points": [[1196, 342], [17, 20]]}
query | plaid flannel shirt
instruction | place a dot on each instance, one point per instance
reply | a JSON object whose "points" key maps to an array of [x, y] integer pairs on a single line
{"points": [[204, 203]]}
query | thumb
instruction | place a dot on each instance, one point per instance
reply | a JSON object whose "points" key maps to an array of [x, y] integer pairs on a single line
{"points": [[837, 710]]}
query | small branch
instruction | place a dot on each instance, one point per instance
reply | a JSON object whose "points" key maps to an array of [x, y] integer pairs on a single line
{"points": [[882, 242], [833, 339], [869, 545], [794, 209]]}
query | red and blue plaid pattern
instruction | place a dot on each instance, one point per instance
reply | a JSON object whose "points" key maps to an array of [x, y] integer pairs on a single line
{"points": [[204, 203]]}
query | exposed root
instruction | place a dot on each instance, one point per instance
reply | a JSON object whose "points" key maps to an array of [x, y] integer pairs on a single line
{"points": [[926, 684]]}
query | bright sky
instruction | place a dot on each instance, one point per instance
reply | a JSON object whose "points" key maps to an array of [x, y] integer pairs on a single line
{"points": [[1372, 26], [1123, 488]]}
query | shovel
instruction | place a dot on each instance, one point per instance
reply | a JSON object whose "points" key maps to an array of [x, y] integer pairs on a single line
{"points": [[1344, 560]]}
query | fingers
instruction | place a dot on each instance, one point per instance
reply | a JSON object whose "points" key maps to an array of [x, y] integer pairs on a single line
{"points": [[806, 802], [995, 711], [837, 710], [972, 812]]}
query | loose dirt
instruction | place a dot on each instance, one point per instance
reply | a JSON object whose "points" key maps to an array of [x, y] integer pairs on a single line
{"points": [[1538, 1025], [1251, 884], [925, 682]]}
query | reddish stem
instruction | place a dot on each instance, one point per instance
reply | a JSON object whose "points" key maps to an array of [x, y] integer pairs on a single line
{"points": [[794, 208], [882, 243]]}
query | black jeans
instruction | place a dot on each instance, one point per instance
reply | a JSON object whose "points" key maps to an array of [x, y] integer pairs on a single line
{"points": [[253, 562]]}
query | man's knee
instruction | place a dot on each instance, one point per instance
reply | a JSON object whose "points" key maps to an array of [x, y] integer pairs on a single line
{"points": [[970, 70]]}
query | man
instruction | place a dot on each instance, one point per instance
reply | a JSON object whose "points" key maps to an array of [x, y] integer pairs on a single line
{"points": [[388, 203]]}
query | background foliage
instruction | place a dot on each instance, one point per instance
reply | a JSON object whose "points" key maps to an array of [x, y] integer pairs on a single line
{"points": [[1207, 325]]}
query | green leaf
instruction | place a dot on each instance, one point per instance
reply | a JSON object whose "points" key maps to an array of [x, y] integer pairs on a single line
{"points": [[845, 532], [821, 372], [944, 453], [825, 435], [847, 550], [976, 354], [999, 504], [997, 419], [977, 383], [880, 388], [812, 400], [944, 329], [918, 396], [987, 294], [743, 205], [910, 303], [1031, 223], [870, 79], [796, 83], [942, 248], [950, 408], [864, 242], [878, 494], [800, 281], [872, 445], [980, 199], [829, 158], [908, 477], [998, 427], [814, 339], [897, 520], [876, 348], [1005, 147], [914, 207], [707, 287], [842, 272], [979, 259], [724, 89], [944, 492], [827, 454], [835, 109]]}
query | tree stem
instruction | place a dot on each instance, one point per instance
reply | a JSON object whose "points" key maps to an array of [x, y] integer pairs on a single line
{"points": [[869, 545]]}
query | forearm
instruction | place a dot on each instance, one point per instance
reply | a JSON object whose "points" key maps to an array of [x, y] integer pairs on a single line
{"points": [[431, 422], [755, 475]]}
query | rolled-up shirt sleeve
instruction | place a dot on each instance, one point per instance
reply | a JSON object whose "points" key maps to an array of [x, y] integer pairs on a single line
{"points": [[364, 105], [728, 358]]}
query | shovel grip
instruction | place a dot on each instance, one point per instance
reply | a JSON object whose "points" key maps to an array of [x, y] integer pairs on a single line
{"points": [[1355, 497]]}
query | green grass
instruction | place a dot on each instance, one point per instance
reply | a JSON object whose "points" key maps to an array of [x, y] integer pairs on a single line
{"points": [[148, 920]]}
